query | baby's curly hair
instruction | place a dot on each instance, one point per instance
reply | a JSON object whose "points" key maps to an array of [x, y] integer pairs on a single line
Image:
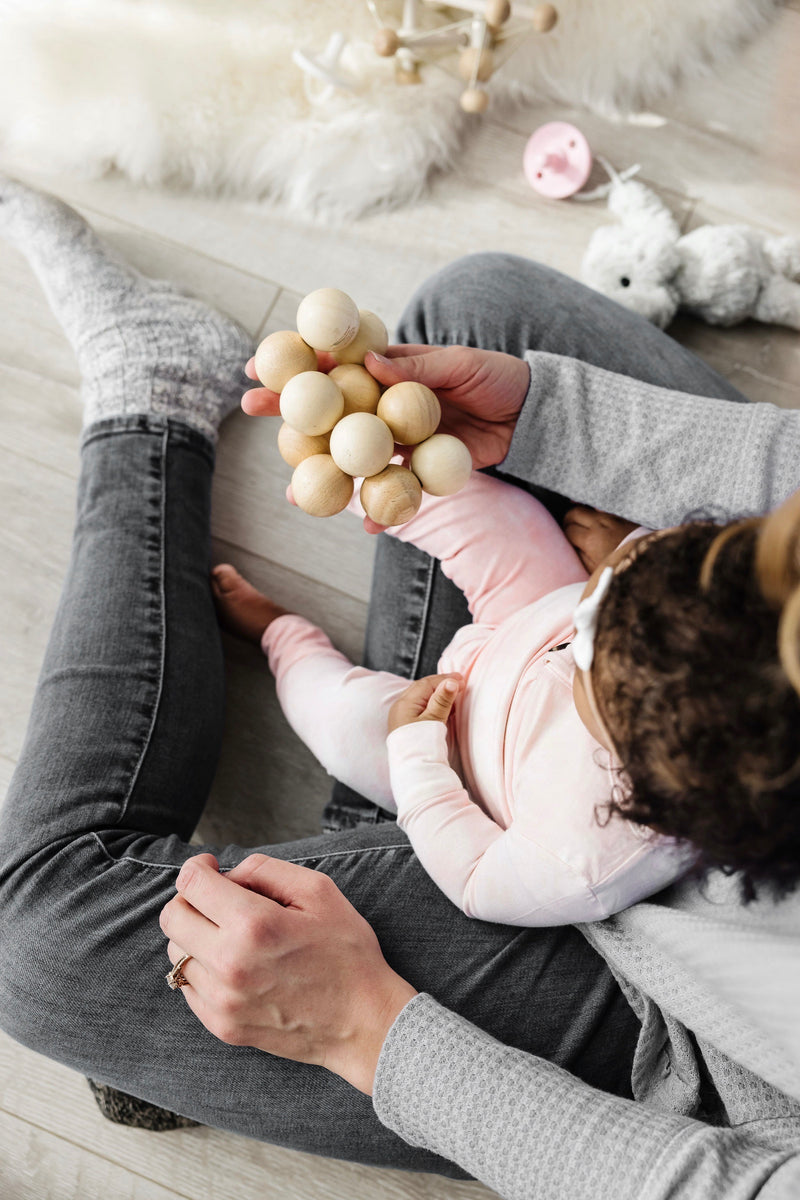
{"points": [[697, 678]]}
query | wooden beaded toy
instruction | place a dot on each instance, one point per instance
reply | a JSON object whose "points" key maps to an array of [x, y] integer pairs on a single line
{"points": [[371, 335], [361, 390], [411, 411], [282, 355], [361, 444], [327, 319], [486, 35], [320, 487], [311, 402], [488, 26], [442, 464], [294, 446], [342, 425], [391, 497]]}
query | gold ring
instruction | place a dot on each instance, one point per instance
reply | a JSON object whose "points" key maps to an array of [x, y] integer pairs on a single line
{"points": [[176, 978]]}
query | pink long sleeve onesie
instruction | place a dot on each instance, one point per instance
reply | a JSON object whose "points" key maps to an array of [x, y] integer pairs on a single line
{"points": [[518, 841]]}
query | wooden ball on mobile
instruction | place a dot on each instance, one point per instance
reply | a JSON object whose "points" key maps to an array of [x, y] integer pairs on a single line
{"points": [[360, 390], [293, 446], [442, 464], [282, 355], [371, 335], [319, 487], [497, 12], [391, 497], [474, 100], [327, 319], [311, 403], [476, 58], [361, 444], [406, 75], [411, 411], [544, 17], [386, 42]]}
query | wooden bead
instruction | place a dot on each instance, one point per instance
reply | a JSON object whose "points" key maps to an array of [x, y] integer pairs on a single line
{"points": [[405, 75], [371, 335], [475, 56], [411, 411], [282, 355], [361, 444], [474, 100], [327, 319], [386, 42], [361, 392], [497, 12], [293, 447], [319, 487], [544, 17], [442, 464], [311, 403], [391, 497]]}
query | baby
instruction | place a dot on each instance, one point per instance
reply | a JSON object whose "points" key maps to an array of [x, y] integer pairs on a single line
{"points": [[565, 764]]}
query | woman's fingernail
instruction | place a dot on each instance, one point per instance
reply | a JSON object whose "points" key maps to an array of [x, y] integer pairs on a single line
{"points": [[380, 357]]}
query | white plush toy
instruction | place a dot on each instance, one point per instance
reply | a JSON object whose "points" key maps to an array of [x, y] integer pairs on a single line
{"points": [[722, 273]]}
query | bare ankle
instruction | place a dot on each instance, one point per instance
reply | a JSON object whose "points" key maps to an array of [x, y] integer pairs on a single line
{"points": [[241, 609]]}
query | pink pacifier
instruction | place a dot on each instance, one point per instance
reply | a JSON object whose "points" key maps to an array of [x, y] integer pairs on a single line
{"points": [[557, 160]]}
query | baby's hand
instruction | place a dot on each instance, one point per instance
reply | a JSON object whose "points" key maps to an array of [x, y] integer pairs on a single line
{"points": [[594, 534], [427, 699]]}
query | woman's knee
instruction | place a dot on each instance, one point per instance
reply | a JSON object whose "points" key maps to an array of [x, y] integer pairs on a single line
{"points": [[473, 301], [57, 912], [30, 955]]}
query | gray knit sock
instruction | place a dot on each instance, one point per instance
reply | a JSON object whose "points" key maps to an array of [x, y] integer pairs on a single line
{"points": [[141, 345]]}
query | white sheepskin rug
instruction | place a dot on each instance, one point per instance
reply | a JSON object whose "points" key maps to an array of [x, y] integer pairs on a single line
{"points": [[204, 93]]}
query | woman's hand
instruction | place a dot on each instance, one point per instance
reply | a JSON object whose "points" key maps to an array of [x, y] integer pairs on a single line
{"points": [[282, 961], [481, 391], [428, 699]]}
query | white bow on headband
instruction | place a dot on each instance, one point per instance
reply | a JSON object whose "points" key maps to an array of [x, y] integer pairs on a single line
{"points": [[586, 621]]}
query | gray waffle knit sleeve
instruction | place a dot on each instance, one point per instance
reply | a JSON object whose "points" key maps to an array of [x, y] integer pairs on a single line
{"points": [[648, 453], [531, 1131]]}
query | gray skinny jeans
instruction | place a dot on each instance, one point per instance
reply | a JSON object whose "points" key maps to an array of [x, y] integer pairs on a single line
{"points": [[122, 745]]}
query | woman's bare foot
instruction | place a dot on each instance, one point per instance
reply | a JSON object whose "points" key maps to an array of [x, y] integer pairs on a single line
{"points": [[241, 608]]}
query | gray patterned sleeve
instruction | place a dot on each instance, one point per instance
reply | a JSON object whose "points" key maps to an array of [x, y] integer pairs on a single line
{"points": [[530, 1130], [648, 453]]}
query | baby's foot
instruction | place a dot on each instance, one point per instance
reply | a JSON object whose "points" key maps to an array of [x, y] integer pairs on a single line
{"points": [[142, 345], [241, 608]]}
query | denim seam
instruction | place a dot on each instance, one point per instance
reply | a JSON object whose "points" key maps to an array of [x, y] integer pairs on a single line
{"points": [[142, 862], [344, 853], [429, 568], [162, 624]]}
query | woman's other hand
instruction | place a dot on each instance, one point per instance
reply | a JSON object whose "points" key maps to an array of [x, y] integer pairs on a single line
{"points": [[481, 391], [281, 960], [428, 699]]}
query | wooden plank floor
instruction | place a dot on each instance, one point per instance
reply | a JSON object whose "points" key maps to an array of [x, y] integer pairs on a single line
{"points": [[724, 150]]}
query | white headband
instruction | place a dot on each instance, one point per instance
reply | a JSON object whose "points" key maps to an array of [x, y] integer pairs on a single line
{"points": [[586, 621]]}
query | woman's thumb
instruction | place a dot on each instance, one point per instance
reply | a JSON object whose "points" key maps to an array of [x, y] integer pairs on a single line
{"points": [[395, 370]]}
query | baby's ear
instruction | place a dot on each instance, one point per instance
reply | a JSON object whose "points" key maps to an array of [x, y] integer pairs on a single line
{"points": [[640, 209]]}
